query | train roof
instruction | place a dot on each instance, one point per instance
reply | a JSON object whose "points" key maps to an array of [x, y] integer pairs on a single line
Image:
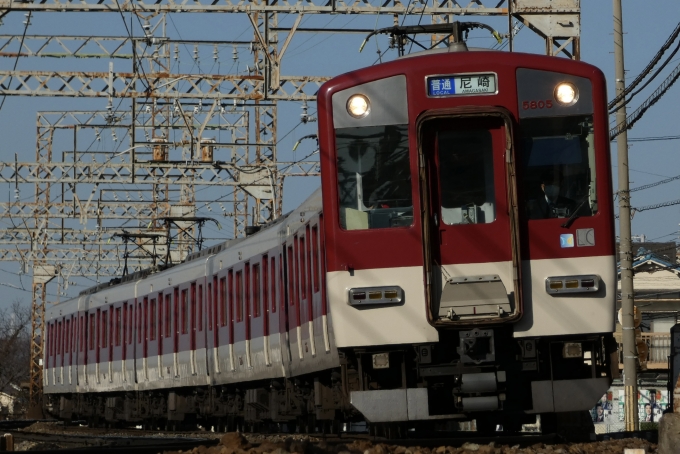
{"points": [[435, 58], [268, 236]]}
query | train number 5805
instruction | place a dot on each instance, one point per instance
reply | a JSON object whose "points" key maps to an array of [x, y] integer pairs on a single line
{"points": [[531, 105]]}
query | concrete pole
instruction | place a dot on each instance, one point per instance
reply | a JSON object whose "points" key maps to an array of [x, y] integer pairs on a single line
{"points": [[625, 245]]}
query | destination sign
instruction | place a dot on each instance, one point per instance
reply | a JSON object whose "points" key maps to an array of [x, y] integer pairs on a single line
{"points": [[467, 84]]}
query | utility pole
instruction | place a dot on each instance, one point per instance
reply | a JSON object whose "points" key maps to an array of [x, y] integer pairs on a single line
{"points": [[625, 246]]}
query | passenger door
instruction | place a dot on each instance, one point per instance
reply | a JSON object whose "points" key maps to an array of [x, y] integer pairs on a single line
{"points": [[470, 225]]}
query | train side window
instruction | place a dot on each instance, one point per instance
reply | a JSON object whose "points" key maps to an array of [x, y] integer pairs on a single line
{"points": [[239, 296], [152, 320], [146, 320], [291, 281], [266, 296], [200, 308], [272, 282], [558, 167], [161, 320], [176, 317], [223, 297], [48, 341], [130, 322], [68, 336], [308, 258], [139, 323], [209, 306], [192, 311], [119, 325], [97, 330], [126, 327], [315, 257], [256, 291], [374, 177], [168, 315], [302, 270], [282, 297], [92, 330], [104, 331], [185, 311], [81, 333], [57, 343]]}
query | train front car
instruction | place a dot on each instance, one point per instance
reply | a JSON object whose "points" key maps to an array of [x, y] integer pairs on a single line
{"points": [[470, 237]]}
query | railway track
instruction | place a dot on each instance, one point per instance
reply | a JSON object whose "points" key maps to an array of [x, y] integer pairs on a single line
{"points": [[51, 437]]}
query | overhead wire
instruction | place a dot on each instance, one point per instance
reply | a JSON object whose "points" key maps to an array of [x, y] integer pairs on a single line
{"points": [[671, 39], [655, 206], [656, 73], [653, 138], [649, 102]]}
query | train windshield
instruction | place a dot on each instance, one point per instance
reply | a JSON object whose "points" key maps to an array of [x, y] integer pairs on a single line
{"points": [[374, 177], [558, 156]]}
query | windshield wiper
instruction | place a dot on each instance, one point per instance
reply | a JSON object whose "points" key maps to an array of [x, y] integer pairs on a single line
{"points": [[575, 215]]}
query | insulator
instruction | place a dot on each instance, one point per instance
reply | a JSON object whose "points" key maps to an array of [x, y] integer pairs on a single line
{"points": [[176, 52], [215, 53], [113, 136], [196, 52], [234, 54]]}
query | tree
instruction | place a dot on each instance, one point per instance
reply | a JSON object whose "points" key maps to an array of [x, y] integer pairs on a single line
{"points": [[15, 346]]}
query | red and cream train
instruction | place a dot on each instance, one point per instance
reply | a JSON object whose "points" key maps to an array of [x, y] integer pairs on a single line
{"points": [[457, 262]]}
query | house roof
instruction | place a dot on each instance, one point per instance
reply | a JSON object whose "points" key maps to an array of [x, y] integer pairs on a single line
{"points": [[652, 272]]}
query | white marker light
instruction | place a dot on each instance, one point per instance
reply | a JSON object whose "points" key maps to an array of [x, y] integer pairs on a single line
{"points": [[358, 106], [566, 94]]}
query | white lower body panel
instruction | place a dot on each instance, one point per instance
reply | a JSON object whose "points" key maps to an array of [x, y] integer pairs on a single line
{"points": [[569, 313]]}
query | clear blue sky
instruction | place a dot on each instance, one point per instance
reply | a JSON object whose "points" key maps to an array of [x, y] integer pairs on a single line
{"points": [[647, 25]]}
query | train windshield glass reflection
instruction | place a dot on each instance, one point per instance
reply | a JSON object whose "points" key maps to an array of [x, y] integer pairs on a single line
{"points": [[558, 156], [374, 177]]}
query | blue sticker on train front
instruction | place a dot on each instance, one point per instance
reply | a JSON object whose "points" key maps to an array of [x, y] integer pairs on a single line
{"points": [[567, 240], [441, 86]]}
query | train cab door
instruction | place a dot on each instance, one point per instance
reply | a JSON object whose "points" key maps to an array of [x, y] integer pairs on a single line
{"points": [[470, 217]]}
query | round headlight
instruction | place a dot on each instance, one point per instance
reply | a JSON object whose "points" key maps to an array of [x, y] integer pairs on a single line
{"points": [[566, 94], [358, 106]]}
